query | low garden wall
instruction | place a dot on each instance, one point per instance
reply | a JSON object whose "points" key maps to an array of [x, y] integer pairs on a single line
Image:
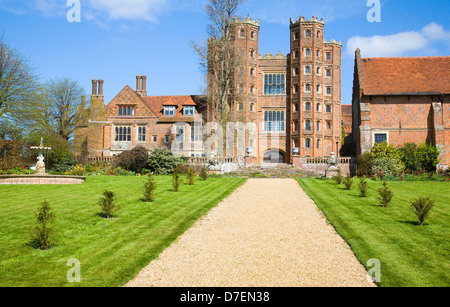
{"points": [[319, 165], [44, 179]]}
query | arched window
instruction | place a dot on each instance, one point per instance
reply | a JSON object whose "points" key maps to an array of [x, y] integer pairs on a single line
{"points": [[252, 107], [241, 107], [318, 144], [318, 88], [308, 106], [318, 70], [242, 33], [308, 52], [308, 87], [318, 107], [252, 35], [307, 70], [308, 125], [252, 72], [308, 33], [328, 109], [308, 143], [318, 34], [318, 126]]}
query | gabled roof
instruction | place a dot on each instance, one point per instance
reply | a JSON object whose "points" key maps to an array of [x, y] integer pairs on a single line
{"points": [[157, 103], [405, 76]]}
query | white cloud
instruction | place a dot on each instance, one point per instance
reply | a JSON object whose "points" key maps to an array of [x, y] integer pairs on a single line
{"points": [[398, 44], [130, 9]]}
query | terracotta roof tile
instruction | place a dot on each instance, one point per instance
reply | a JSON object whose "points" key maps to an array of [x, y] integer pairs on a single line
{"points": [[413, 75], [157, 103]]}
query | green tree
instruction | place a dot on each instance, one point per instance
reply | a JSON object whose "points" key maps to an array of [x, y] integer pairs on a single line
{"points": [[19, 86], [42, 233]]}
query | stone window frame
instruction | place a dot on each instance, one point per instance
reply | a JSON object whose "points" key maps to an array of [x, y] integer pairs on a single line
{"points": [[142, 134], [275, 83], [277, 124], [122, 134], [375, 132], [129, 110]]}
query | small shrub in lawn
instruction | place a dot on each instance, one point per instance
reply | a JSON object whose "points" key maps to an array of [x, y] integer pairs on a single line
{"points": [[363, 186], [204, 173], [386, 195], [176, 181], [348, 182], [422, 207], [338, 179], [41, 234], [191, 176], [149, 189], [108, 204]]}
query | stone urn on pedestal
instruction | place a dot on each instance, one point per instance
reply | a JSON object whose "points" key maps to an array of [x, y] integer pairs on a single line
{"points": [[332, 169]]}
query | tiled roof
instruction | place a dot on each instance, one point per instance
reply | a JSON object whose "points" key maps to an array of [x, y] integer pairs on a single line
{"points": [[157, 103], [409, 76], [346, 109]]}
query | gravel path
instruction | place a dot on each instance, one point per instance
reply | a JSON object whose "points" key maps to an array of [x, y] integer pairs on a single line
{"points": [[268, 233]]}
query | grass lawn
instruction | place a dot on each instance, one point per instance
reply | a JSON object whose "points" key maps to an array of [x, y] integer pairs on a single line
{"points": [[111, 252], [410, 255]]}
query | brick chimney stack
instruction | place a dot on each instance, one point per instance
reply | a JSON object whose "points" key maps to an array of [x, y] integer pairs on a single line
{"points": [[144, 86], [94, 87], [138, 84]]}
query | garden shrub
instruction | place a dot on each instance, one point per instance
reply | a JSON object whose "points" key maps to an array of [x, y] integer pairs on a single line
{"points": [[387, 166], [348, 182], [363, 186], [79, 170], [162, 161], [429, 157], [191, 176], [176, 181], [204, 173], [63, 166], [422, 207], [108, 204], [118, 171], [364, 164], [134, 160], [149, 189], [338, 179], [386, 195], [41, 234]]}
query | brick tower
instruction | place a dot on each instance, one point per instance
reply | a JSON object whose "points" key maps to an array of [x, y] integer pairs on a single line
{"points": [[314, 101]]}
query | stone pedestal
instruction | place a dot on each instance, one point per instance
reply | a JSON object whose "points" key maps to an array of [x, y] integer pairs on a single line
{"points": [[332, 172], [248, 161], [296, 161]]}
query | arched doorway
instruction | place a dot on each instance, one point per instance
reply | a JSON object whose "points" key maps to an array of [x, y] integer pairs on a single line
{"points": [[274, 156]]}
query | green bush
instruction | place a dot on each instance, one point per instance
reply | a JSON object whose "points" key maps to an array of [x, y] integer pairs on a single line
{"points": [[338, 179], [41, 234], [149, 189], [63, 166], [386, 195], [364, 165], [108, 204], [422, 207], [204, 173], [176, 181], [118, 171], [191, 176], [387, 166], [162, 162], [134, 160], [79, 170], [417, 158], [363, 186], [18, 171], [348, 182]]}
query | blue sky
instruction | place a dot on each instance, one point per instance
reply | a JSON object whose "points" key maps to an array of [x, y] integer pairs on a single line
{"points": [[117, 40]]}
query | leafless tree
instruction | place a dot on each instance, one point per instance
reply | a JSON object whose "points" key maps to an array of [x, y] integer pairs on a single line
{"points": [[219, 59]]}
